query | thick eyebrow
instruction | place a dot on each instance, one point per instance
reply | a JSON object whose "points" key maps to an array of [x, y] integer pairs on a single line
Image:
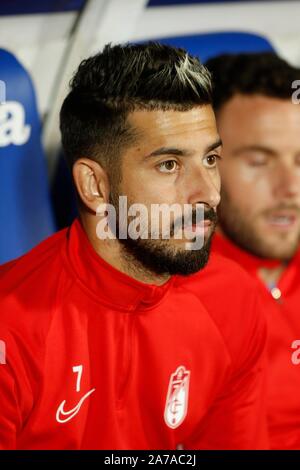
{"points": [[214, 146], [255, 148], [181, 152]]}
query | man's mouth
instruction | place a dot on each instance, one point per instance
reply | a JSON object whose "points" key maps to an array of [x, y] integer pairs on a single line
{"points": [[201, 228], [282, 220], [196, 224]]}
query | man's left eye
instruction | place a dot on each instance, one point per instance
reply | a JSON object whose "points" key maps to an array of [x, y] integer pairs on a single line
{"points": [[169, 166], [211, 160]]}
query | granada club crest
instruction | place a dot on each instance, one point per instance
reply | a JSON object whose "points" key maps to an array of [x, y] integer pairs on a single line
{"points": [[177, 397]]}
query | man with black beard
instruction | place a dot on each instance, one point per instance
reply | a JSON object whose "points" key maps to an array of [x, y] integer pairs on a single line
{"points": [[259, 212], [108, 343], [160, 257]]}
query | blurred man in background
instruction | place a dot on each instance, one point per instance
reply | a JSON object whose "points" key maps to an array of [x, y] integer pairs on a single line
{"points": [[259, 214]]}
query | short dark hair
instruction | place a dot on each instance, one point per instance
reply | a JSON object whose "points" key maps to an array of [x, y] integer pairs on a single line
{"points": [[261, 73], [119, 80]]}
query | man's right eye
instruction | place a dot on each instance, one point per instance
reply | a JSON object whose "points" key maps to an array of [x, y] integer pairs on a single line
{"points": [[259, 160], [168, 166]]}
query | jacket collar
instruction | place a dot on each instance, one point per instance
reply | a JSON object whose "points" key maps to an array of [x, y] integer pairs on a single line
{"points": [[104, 282], [249, 261]]}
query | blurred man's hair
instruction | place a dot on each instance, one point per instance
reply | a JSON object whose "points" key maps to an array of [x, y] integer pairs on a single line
{"points": [[122, 79], [261, 73]]}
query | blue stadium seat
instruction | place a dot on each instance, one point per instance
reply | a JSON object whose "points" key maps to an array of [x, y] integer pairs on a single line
{"points": [[25, 210], [207, 45]]}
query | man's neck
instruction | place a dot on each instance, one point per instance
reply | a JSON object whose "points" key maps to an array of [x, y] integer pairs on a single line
{"points": [[114, 254], [271, 276]]}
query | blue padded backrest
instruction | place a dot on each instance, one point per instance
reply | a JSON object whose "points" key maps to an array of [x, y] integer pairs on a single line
{"points": [[25, 212], [207, 45]]}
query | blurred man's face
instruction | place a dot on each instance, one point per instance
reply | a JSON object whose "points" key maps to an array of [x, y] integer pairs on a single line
{"points": [[260, 173], [174, 161]]}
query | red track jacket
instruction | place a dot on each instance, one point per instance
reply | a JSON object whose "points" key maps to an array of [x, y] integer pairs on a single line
{"points": [[93, 359], [283, 318]]}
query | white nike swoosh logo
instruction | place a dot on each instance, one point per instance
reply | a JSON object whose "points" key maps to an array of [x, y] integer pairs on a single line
{"points": [[60, 414]]}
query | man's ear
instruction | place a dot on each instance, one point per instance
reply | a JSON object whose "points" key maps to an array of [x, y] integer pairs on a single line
{"points": [[91, 182]]}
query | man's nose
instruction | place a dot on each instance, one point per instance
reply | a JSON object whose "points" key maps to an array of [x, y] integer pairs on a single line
{"points": [[203, 188], [287, 181]]}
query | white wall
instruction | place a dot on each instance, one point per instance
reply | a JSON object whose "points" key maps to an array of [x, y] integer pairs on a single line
{"points": [[40, 41]]}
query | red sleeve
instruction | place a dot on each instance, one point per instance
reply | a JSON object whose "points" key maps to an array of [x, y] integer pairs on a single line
{"points": [[15, 394], [9, 410], [237, 419]]}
